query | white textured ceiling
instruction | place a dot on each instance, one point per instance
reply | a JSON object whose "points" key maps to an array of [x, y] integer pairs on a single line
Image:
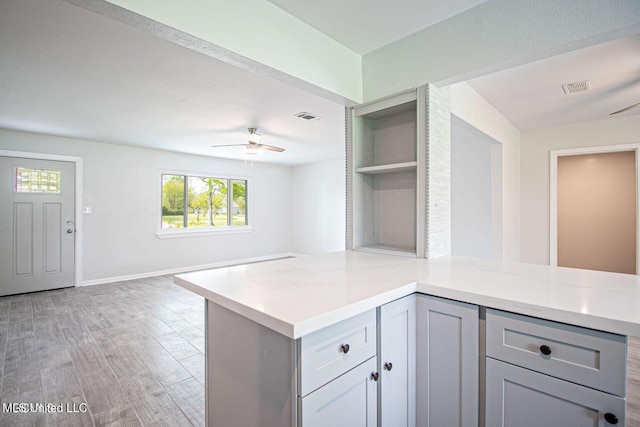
{"points": [[366, 25], [69, 72], [531, 95]]}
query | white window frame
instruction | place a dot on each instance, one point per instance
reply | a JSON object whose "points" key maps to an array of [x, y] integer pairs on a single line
{"points": [[171, 233]]}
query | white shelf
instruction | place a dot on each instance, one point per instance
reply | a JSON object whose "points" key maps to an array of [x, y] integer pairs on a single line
{"points": [[390, 168], [389, 250]]}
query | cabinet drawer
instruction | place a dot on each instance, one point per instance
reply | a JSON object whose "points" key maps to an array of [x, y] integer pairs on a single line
{"points": [[583, 356], [332, 351], [518, 397]]}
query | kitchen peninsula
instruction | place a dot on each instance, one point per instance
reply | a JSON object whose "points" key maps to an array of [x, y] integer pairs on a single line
{"points": [[309, 340]]}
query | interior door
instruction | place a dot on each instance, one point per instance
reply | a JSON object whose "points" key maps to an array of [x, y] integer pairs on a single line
{"points": [[597, 211], [37, 225]]}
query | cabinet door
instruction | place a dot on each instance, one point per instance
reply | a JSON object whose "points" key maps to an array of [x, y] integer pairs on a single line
{"points": [[348, 401], [447, 363], [397, 363], [518, 397]]}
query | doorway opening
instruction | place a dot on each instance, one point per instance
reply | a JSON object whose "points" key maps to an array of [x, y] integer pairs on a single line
{"points": [[476, 192], [594, 208]]}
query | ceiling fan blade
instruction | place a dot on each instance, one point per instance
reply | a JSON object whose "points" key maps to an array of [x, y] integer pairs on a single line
{"points": [[270, 148], [228, 145], [626, 109]]}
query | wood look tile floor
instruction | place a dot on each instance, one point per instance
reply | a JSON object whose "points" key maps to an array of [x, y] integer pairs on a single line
{"points": [[130, 353]]}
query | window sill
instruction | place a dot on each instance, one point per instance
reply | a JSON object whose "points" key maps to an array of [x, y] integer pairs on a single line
{"points": [[176, 233]]}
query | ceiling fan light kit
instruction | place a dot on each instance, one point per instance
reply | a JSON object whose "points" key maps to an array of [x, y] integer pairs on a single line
{"points": [[252, 151]]}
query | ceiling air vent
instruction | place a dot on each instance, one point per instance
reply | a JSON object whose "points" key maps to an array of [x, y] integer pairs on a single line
{"points": [[576, 87], [306, 116]]}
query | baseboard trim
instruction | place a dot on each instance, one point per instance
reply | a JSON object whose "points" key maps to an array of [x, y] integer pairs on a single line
{"points": [[188, 269]]}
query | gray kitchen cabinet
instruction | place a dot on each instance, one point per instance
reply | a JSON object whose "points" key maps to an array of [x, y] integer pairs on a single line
{"points": [[447, 363], [592, 358], [414, 362], [518, 397], [258, 377], [330, 352], [540, 372], [397, 363], [337, 382], [349, 400]]}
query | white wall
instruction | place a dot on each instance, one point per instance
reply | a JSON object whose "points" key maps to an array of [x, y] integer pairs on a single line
{"points": [[535, 148], [122, 185], [318, 207], [476, 175], [471, 108]]}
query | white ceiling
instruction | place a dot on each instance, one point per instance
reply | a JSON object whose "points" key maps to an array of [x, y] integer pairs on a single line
{"points": [[531, 95], [67, 71], [366, 25]]}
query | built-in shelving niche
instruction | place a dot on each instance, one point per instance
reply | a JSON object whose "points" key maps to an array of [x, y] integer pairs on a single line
{"points": [[384, 166]]}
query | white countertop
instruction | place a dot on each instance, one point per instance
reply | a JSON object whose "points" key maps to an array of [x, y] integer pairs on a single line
{"points": [[297, 296]]}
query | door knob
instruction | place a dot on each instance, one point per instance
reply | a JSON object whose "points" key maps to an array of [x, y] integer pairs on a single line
{"points": [[69, 231], [388, 366]]}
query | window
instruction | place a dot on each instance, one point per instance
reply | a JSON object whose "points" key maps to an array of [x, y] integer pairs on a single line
{"points": [[203, 201], [37, 181]]}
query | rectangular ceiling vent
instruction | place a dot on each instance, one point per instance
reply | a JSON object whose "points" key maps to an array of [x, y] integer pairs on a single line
{"points": [[306, 116], [576, 87]]}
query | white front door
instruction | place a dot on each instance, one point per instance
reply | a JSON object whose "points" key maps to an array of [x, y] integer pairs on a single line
{"points": [[37, 225]]}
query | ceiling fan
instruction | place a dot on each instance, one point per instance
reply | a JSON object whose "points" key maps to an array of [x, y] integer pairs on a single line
{"points": [[626, 109], [253, 147]]}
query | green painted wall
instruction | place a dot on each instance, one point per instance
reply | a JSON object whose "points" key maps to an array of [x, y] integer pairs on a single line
{"points": [[261, 31], [493, 36]]}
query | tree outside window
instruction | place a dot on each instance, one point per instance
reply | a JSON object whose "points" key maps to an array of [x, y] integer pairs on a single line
{"points": [[239, 202], [205, 200]]}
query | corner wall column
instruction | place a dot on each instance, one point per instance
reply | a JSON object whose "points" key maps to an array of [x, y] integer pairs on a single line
{"points": [[437, 173]]}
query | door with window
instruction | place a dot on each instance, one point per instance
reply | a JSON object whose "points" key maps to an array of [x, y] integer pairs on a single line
{"points": [[37, 225]]}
